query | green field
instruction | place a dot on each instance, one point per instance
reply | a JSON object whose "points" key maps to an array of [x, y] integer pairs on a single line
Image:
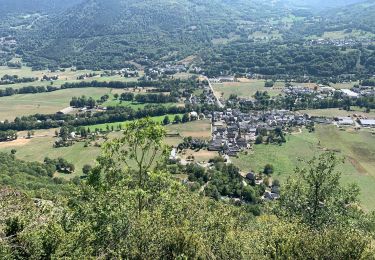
{"points": [[245, 89], [358, 149], [45, 103], [158, 119], [335, 112]]}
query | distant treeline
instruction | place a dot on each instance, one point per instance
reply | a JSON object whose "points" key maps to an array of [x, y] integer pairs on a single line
{"points": [[26, 90]]}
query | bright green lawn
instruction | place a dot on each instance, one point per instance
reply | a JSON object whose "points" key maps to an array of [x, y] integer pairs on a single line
{"points": [[158, 119]]}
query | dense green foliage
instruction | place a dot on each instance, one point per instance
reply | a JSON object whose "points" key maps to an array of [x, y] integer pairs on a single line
{"points": [[31, 177]]}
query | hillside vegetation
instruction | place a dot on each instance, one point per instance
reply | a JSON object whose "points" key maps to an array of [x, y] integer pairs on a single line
{"points": [[140, 212]]}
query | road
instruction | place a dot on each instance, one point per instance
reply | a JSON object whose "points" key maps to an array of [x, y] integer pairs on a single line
{"points": [[218, 102]]}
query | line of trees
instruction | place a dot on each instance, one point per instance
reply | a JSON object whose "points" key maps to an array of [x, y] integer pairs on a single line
{"points": [[26, 90]]}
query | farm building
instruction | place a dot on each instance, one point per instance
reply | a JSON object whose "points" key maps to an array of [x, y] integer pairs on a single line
{"points": [[66, 110], [349, 93], [345, 121], [367, 122]]}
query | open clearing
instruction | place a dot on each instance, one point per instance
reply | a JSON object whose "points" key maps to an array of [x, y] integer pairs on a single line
{"points": [[245, 89], [358, 149]]}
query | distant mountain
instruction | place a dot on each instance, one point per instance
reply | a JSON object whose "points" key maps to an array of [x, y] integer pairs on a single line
{"points": [[359, 16], [120, 30], [27, 6]]}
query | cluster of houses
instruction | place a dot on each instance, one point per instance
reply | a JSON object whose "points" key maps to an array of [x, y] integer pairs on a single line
{"points": [[339, 42], [223, 79], [207, 97], [365, 91], [322, 91], [125, 72], [163, 70], [234, 131]]}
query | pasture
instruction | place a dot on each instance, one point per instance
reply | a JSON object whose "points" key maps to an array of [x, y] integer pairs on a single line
{"points": [[357, 147], [245, 88], [44, 103]]}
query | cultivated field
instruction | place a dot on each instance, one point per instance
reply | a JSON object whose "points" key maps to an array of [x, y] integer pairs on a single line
{"points": [[358, 149], [197, 129], [245, 89]]}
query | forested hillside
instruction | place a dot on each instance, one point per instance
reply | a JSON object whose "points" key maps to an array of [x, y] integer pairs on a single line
{"points": [[137, 30]]}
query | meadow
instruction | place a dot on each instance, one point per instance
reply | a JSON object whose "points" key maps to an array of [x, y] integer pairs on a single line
{"points": [[356, 147], [245, 88], [45, 103]]}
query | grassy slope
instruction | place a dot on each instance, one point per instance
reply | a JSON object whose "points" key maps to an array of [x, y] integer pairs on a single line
{"points": [[358, 148]]}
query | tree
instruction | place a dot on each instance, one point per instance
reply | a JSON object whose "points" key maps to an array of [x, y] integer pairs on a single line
{"points": [[316, 195], [30, 134], [116, 95], [166, 120], [177, 119], [86, 169], [259, 139], [269, 84], [185, 118], [137, 150], [268, 169]]}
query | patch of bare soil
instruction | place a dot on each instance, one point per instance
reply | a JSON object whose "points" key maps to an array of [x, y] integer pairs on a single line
{"points": [[15, 143], [357, 165]]}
